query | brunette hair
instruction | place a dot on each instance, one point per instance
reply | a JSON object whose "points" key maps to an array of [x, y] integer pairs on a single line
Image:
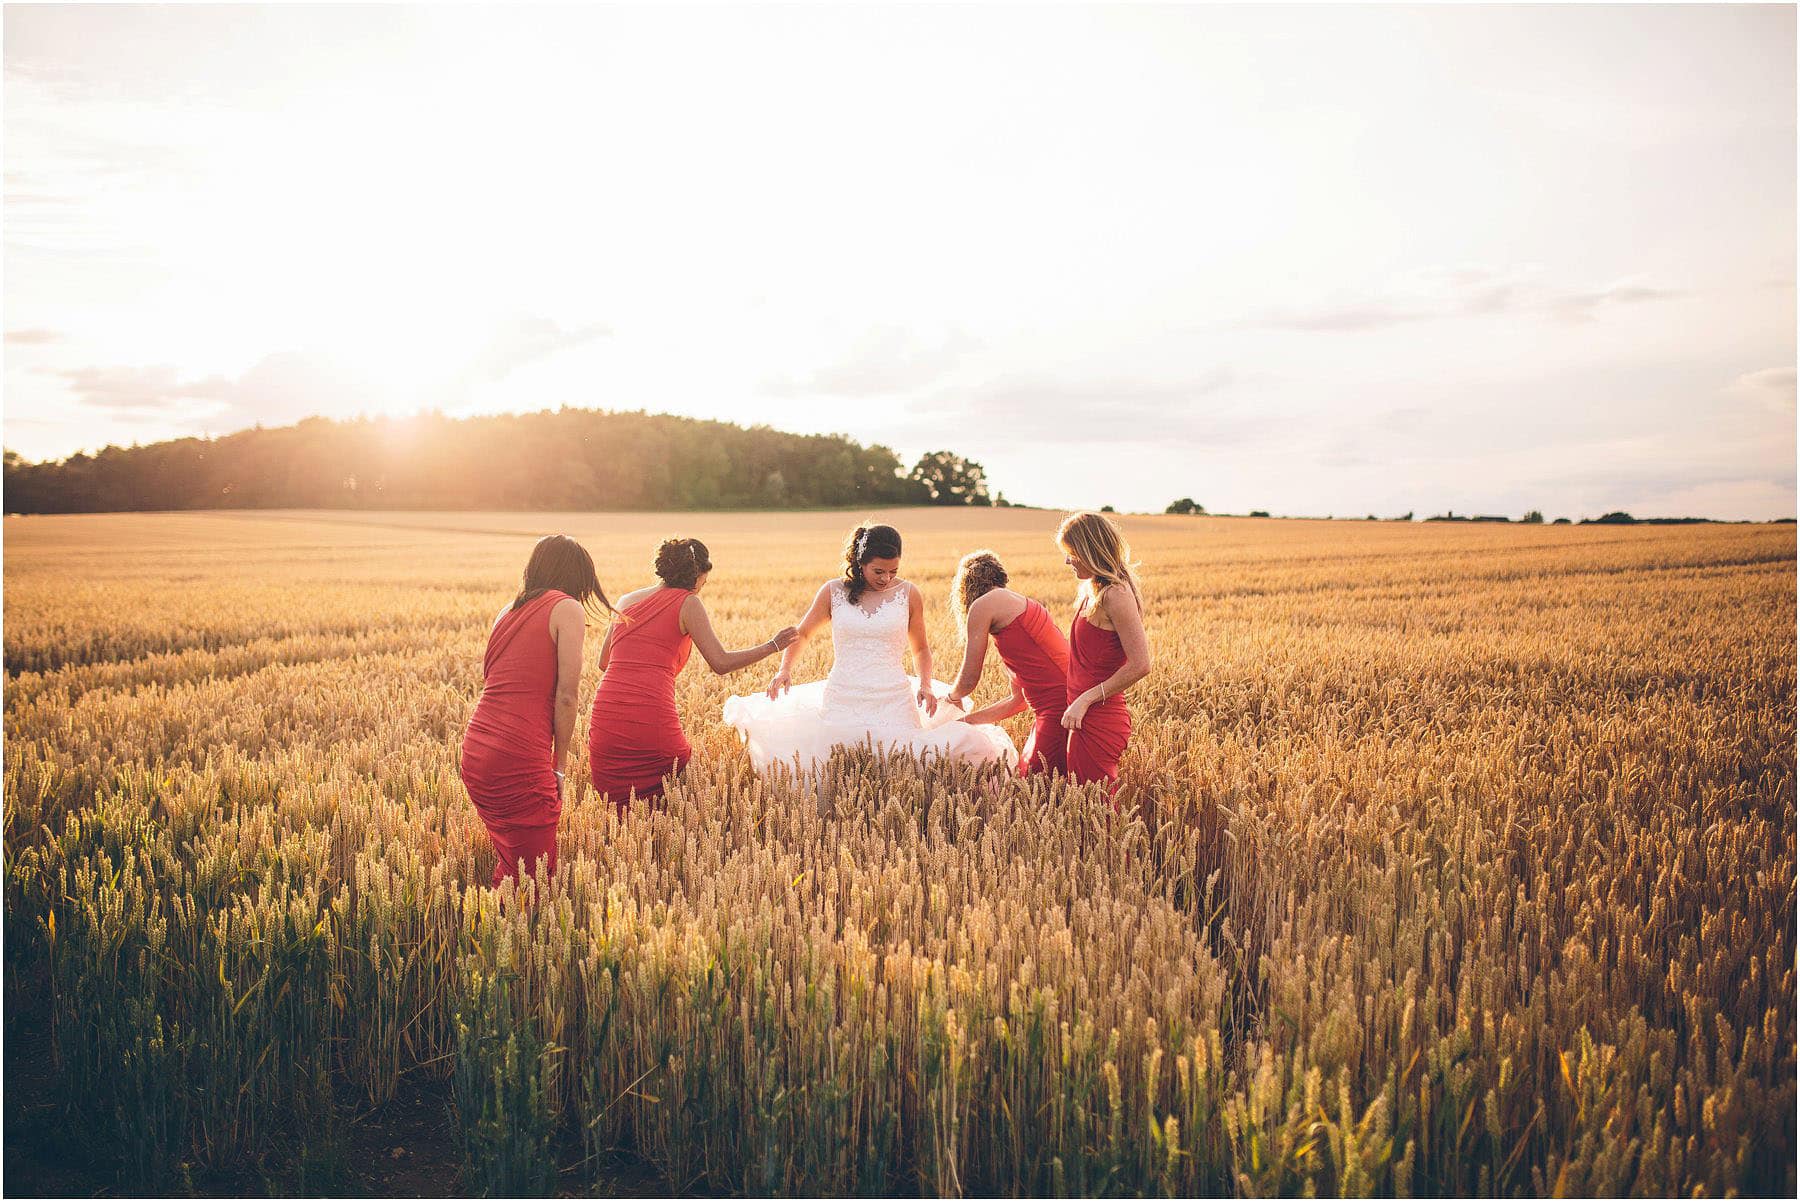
{"points": [[866, 543], [559, 562], [979, 573], [681, 561], [1098, 542]]}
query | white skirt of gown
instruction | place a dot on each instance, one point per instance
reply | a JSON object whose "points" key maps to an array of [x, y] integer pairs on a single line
{"points": [[868, 700]]}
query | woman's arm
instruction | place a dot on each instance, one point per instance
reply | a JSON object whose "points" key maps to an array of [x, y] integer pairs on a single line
{"points": [[817, 615], [999, 711], [568, 626], [606, 643], [698, 626], [981, 622], [921, 647], [1121, 606]]}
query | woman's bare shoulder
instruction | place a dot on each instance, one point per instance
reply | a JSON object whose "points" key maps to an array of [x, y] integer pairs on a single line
{"points": [[1118, 601], [632, 598]]}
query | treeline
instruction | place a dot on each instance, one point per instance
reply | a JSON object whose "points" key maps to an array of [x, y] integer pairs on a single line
{"points": [[563, 459], [1617, 517]]}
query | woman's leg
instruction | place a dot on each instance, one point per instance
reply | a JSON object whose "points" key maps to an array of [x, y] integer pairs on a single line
{"points": [[520, 848]]}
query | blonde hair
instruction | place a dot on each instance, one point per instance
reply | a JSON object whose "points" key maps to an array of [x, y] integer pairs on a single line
{"points": [[977, 574], [1098, 542]]}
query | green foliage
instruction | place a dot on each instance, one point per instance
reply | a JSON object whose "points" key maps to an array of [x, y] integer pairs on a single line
{"points": [[563, 459], [505, 1073], [1185, 505], [949, 479]]}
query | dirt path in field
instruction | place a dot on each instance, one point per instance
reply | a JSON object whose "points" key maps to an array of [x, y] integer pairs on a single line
{"points": [[405, 1148]]}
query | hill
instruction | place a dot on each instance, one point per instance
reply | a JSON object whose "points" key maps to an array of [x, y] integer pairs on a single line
{"points": [[562, 459]]}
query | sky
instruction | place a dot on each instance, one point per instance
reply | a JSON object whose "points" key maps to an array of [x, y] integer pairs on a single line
{"points": [[1314, 260]]}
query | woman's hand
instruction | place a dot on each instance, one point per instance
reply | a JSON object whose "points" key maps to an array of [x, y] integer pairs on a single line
{"points": [[784, 638], [1077, 710], [961, 703], [778, 686], [927, 698]]}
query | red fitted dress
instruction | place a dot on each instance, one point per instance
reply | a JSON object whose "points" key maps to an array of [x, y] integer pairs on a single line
{"points": [[1095, 749], [1036, 655], [508, 757], [635, 738]]}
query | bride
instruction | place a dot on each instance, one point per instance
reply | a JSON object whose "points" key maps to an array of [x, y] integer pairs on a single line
{"points": [[868, 697]]}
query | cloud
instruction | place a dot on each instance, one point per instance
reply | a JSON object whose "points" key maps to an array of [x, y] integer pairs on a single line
{"points": [[1016, 409], [284, 386], [1444, 292], [290, 385], [884, 359], [143, 388], [525, 340], [31, 337], [1349, 316], [1385, 438], [1772, 387], [1584, 306]]}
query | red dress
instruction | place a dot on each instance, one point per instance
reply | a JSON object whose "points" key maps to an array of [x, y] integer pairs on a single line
{"points": [[1095, 749], [1036, 655], [635, 737], [508, 751]]}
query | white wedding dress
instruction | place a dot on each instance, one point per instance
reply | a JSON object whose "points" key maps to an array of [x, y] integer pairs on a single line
{"points": [[867, 699]]}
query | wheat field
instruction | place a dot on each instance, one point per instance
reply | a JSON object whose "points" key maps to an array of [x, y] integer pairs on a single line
{"points": [[1453, 859]]}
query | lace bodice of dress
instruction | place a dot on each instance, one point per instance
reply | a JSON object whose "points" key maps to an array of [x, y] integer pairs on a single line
{"points": [[868, 684]]}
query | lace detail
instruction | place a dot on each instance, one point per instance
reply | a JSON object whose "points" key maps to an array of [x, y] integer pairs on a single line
{"points": [[868, 685]]}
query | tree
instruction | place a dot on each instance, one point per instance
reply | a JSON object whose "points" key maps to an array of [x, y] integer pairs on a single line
{"points": [[553, 459], [1185, 505], [1259, 513], [952, 480], [1107, 509], [1533, 518]]}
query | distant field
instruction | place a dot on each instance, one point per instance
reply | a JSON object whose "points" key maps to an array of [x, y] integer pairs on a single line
{"points": [[1457, 859]]}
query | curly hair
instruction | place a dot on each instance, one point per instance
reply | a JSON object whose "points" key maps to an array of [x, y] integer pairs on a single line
{"points": [[978, 573], [680, 562], [866, 543]]}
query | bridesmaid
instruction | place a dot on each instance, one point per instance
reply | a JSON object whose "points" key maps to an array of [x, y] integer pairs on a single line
{"points": [[1034, 651], [517, 742], [1108, 650], [635, 736]]}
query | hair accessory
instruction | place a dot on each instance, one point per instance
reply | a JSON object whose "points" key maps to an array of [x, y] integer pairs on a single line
{"points": [[862, 544]]}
